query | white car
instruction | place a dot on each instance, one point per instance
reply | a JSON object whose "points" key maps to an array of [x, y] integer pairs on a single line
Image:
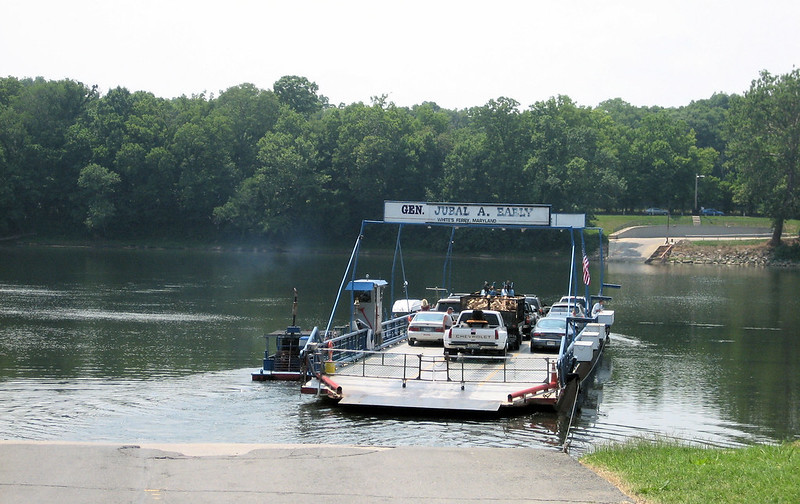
{"points": [[449, 302], [580, 300], [405, 307], [428, 326], [564, 310]]}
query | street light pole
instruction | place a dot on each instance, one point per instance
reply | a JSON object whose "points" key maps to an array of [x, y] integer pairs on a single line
{"points": [[696, 176]]}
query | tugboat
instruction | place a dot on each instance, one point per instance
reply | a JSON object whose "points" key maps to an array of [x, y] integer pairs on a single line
{"points": [[285, 363]]}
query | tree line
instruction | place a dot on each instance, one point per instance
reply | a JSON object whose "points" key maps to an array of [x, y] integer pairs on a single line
{"points": [[273, 164]]}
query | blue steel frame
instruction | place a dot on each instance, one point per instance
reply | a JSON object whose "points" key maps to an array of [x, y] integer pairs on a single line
{"points": [[565, 357], [575, 267]]}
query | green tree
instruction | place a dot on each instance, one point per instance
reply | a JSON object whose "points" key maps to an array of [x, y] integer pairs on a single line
{"points": [[149, 174], [764, 147], [41, 171], [284, 194], [251, 113], [707, 118], [99, 184], [572, 163], [376, 157], [299, 94], [207, 176], [506, 142], [662, 161], [463, 177], [16, 185]]}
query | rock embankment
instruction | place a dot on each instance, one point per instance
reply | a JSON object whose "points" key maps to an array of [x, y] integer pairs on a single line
{"points": [[686, 252]]}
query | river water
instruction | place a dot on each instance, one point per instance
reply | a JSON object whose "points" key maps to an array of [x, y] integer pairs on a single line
{"points": [[158, 346]]}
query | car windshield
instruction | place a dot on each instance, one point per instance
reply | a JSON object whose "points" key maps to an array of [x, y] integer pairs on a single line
{"points": [[443, 305], [429, 317], [490, 318]]}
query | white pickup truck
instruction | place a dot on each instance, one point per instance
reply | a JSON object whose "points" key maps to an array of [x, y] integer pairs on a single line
{"points": [[477, 331]]}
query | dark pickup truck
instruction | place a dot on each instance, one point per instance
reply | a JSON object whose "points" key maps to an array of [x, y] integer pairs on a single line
{"points": [[511, 307]]}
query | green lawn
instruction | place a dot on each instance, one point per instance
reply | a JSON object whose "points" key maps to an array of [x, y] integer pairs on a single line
{"points": [[612, 223], [665, 472]]}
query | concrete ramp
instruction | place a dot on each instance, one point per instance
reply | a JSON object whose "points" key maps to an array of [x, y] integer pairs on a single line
{"points": [[660, 255], [69, 473], [632, 249], [639, 243]]}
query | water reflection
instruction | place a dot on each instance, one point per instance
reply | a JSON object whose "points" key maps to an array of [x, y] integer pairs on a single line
{"points": [[127, 345], [725, 350]]}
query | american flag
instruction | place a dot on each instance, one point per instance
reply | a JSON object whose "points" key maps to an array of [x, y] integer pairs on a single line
{"points": [[586, 277]]}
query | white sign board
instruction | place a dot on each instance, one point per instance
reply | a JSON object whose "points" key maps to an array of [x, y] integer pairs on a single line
{"points": [[466, 213], [568, 220]]}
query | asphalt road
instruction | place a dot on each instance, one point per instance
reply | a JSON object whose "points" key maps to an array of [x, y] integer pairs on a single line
{"points": [[67, 473]]}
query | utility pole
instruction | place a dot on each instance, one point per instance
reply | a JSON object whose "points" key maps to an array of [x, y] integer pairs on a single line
{"points": [[696, 177]]}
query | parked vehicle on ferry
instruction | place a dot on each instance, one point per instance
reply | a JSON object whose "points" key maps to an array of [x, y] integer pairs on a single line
{"points": [[533, 311], [579, 300], [477, 331], [453, 302], [535, 302], [406, 307], [428, 326], [547, 333], [512, 309], [564, 310]]}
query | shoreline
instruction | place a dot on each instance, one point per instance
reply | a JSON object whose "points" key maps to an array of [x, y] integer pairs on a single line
{"points": [[684, 251], [729, 254]]}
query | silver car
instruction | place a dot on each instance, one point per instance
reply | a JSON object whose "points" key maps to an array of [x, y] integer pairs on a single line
{"points": [[547, 333]]}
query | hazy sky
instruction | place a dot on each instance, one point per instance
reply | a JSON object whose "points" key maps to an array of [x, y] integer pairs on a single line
{"points": [[458, 54]]}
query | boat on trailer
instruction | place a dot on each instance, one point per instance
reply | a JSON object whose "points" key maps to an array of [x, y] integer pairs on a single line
{"points": [[368, 362]]}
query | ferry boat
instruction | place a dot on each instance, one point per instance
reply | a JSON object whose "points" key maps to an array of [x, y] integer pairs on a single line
{"points": [[368, 362]]}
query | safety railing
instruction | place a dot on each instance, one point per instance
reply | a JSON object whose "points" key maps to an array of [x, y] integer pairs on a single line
{"points": [[426, 367], [360, 353], [341, 348], [354, 343]]}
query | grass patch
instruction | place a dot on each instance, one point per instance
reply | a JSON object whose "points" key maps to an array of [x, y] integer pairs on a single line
{"points": [[667, 472], [729, 243], [611, 223]]}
